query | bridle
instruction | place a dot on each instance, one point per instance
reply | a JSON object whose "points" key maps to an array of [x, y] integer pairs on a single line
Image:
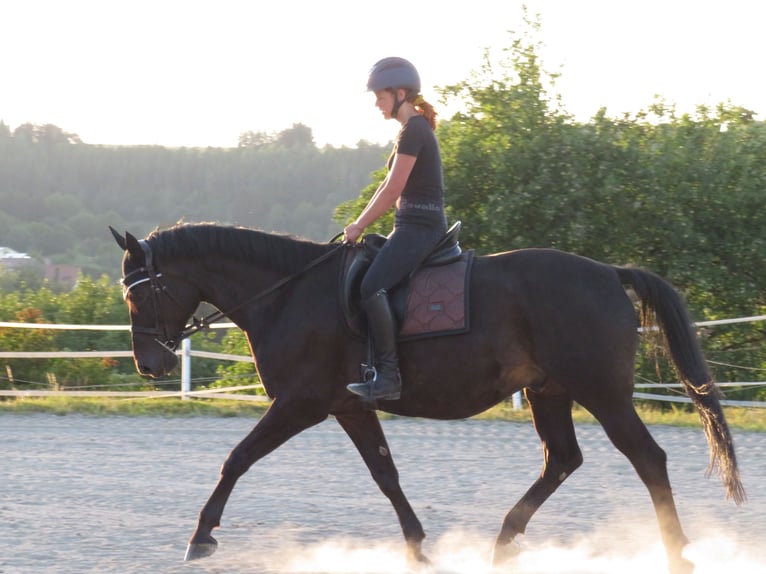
{"points": [[147, 273]]}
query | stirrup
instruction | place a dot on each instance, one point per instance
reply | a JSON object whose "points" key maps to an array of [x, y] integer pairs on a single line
{"points": [[366, 389]]}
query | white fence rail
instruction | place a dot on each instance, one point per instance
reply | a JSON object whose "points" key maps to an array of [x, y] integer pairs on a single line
{"points": [[186, 353]]}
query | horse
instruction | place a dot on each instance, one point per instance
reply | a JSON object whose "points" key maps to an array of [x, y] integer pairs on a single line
{"points": [[558, 326]]}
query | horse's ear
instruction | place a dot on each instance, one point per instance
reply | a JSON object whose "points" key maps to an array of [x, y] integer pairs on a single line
{"points": [[118, 238], [134, 248]]}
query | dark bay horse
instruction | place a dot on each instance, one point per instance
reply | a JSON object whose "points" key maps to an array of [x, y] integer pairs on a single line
{"points": [[559, 326]]}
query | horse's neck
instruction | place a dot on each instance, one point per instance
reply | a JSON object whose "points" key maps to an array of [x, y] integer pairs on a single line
{"points": [[226, 284], [236, 285]]}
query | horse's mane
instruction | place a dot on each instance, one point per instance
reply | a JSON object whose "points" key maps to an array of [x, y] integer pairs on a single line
{"points": [[194, 240]]}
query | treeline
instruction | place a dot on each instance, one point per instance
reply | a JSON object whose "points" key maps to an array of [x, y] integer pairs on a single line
{"points": [[683, 195], [58, 194]]}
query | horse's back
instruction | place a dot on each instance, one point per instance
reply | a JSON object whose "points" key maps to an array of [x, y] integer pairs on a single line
{"points": [[574, 309], [556, 290], [552, 278]]}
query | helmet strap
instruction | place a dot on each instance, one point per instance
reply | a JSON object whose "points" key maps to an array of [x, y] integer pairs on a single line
{"points": [[397, 103]]}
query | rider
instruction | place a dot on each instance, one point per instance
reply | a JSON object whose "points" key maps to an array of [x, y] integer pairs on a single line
{"points": [[414, 184]]}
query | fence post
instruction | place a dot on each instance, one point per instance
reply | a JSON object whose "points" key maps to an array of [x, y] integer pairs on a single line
{"points": [[516, 398], [185, 368]]}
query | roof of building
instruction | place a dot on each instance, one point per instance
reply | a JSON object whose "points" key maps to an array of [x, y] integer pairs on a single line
{"points": [[8, 253]]}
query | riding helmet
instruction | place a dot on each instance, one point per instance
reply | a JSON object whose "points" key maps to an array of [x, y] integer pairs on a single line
{"points": [[393, 73]]}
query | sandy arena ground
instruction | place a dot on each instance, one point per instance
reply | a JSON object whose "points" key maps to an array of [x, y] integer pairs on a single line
{"points": [[120, 495]]}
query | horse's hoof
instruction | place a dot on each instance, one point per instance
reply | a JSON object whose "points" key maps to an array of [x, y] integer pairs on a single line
{"points": [[504, 553], [681, 566], [416, 560], [203, 549]]}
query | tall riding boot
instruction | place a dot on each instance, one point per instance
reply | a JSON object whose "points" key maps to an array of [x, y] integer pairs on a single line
{"points": [[387, 383]]}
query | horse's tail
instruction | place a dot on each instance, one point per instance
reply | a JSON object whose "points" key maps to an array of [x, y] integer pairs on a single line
{"points": [[660, 301]]}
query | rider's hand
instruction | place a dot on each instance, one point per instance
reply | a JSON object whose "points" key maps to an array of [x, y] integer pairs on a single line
{"points": [[352, 232]]}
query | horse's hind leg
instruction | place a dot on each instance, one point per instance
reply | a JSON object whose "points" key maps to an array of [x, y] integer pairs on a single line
{"points": [[552, 415], [363, 427], [630, 435]]}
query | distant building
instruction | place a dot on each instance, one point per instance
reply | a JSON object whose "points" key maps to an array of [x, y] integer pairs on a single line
{"points": [[61, 274], [66, 275], [10, 259]]}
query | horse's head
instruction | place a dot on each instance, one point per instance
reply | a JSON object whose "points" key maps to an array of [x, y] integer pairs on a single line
{"points": [[160, 305]]}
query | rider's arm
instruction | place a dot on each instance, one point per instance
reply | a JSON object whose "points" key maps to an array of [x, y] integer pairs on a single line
{"points": [[385, 196]]}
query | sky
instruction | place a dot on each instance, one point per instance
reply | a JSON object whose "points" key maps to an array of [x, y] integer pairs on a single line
{"points": [[199, 73]]}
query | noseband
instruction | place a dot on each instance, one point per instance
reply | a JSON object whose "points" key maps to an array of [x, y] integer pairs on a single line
{"points": [[148, 274]]}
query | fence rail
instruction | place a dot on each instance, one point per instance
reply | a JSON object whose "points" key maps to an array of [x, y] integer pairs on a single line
{"points": [[186, 353], [220, 393]]}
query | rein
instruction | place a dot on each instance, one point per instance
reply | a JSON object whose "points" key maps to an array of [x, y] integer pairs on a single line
{"points": [[147, 273]]}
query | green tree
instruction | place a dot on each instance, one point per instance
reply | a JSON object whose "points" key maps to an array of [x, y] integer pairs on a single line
{"points": [[237, 373], [24, 372], [508, 153], [255, 139], [299, 135], [347, 211]]}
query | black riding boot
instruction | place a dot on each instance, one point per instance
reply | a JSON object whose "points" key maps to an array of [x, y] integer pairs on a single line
{"points": [[387, 383]]}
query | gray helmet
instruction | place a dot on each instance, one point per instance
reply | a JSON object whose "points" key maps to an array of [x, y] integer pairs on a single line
{"points": [[393, 73]]}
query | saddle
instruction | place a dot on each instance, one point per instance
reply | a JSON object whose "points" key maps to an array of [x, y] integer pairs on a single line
{"points": [[432, 301]]}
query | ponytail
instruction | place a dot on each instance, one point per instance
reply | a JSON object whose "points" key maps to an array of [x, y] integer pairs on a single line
{"points": [[424, 109]]}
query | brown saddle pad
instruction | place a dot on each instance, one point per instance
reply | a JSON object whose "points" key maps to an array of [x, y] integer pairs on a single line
{"points": [[434, 301], [437, 300]]}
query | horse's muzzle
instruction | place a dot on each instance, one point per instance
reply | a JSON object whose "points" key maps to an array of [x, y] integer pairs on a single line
{"points": [[154, 361]]}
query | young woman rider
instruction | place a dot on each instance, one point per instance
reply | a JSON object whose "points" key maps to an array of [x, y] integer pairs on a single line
{"points": [[414, 185]]}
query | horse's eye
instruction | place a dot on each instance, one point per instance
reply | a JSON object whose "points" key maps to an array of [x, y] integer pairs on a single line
{"points": [[139, 295]]}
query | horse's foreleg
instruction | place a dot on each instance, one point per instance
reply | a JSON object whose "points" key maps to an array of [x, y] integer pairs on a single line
{"points": [[363, 427], [552, 416], [282, 421]]}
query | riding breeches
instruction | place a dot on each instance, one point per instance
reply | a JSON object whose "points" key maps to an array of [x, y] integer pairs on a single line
{"points": [[405, 249]]}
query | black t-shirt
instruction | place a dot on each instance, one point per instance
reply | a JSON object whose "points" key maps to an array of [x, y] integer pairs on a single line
{"points": [[422, 200]]}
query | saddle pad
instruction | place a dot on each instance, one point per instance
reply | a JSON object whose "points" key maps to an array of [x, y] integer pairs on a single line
{"points": [[437, 300]]}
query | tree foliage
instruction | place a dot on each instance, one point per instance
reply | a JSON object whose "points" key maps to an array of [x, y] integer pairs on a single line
{"points": [[58, 195], [91, 302], [682, 195]]}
